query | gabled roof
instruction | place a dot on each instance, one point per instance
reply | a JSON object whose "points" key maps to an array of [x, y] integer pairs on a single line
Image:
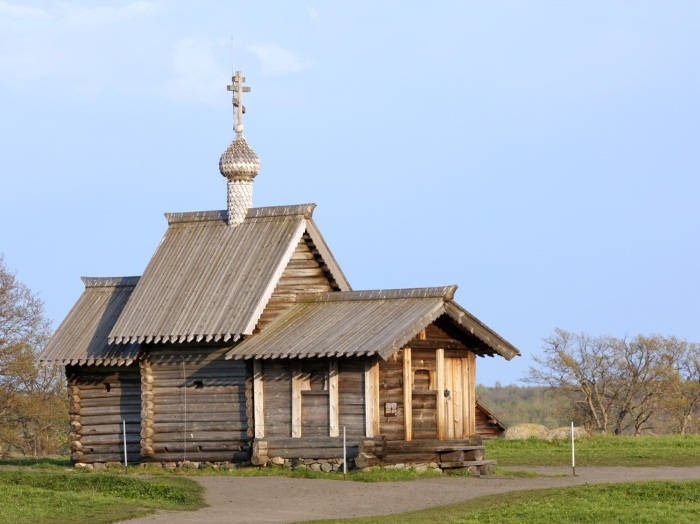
{"points": [[208, 281], [82, 336], [357, 323]]}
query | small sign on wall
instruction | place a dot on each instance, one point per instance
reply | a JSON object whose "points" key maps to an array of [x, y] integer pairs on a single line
{"points": [[391, 409]]}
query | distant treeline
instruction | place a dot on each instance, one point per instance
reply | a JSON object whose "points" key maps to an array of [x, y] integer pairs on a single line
{"points": [[522, 404]]}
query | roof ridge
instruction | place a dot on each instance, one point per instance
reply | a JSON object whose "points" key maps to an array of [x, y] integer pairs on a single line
{"points": [[254, 212], [109, 281], [444, 292]]}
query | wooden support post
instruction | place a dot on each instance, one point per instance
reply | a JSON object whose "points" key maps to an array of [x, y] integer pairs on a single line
{"points": [[297, 383], [333, 403], [407, 395], [440, 379], [259, 398], [470, 401], [371, 398]]}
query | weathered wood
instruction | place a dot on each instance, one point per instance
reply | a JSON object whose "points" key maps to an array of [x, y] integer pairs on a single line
{"points": [[399, 458], [470, 386], [114, 409], [96, 420], [110, 401], [297, 383], [109, 429], [371, 379], [333, 399], [407, 395], [200, 456], [197, 393], [226, 370], [200, 416], [258, 398], [232, 407], [191, 426], [114, 392], [179, 447], [440, 383]]}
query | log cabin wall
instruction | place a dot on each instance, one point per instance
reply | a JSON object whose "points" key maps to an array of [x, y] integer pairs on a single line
{"points": [[305, 273], [201, 406], [391, 399], [351, 389], [442, 401], [277, 404], [103, 397], [424, 397]]}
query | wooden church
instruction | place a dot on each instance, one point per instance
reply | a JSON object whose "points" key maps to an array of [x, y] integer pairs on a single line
{"points": [[244, 342]]}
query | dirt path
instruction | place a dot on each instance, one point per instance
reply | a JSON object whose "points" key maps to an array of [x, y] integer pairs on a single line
{"points": [[254, 500]]}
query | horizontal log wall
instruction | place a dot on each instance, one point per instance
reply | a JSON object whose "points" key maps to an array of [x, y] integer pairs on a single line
{"points": [[305, 272], [278, 398], [424, 402], [486, 427], [102, 398], [351, 389], [200, 410], [391, 391]]}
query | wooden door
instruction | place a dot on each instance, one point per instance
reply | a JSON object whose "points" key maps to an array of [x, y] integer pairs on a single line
{"points": [[459, 398]]}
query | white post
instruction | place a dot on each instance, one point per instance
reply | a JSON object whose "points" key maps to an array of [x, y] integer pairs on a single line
{"points": [[126, 462], [573, 452], [345, 456]]}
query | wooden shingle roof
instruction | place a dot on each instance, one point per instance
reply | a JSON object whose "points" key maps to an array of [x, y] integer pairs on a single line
{"points": [[82, 336], [360, 323], [210, 282]]}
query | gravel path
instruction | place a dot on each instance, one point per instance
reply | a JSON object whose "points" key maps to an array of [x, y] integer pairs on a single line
{"points": [[255, 500]]}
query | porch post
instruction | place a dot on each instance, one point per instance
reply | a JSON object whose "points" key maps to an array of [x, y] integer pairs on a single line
{"points": [[470, 400], [258, 399], [334, 422], [407, 395], [296, 398], [371, 397], [440, 378]]}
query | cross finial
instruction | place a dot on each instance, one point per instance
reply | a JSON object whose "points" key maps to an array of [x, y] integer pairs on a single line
{"points": [[238, 107]]}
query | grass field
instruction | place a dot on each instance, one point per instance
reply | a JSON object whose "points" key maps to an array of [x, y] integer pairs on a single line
{"points": [[47, 490], [638, 502], [667, 450], [47, 496]]}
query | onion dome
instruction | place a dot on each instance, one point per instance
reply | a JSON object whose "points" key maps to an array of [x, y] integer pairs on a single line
{"points": [[239, 163]]}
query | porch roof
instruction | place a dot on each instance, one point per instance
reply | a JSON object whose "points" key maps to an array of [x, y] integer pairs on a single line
{"points": [[363, 323]]}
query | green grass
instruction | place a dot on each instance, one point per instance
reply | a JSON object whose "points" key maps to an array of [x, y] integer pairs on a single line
{"points": [[599, 450], [48, 496], [49, 490], [638, 502]]}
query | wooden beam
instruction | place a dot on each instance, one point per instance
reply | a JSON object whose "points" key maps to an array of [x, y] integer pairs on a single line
{"points": [[440, 379], [297, 386], [407, 396], [259, 398], [333, 401], [371, 397], [470, 403]]}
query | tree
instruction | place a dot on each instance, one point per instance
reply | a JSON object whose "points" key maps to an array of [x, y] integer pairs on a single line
{"points": [[32, 399], [619, 385], [680, 397]]}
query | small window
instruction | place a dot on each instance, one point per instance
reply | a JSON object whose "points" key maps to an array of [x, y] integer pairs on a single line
{"points": [[317, 380], [106, 387], [421, 379], [391, 409]]}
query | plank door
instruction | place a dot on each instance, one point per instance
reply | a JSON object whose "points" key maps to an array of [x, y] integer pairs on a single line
{"points": [[458, 398]]}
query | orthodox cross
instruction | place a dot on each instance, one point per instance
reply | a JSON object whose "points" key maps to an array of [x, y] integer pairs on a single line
{"points": [[238, 107]]}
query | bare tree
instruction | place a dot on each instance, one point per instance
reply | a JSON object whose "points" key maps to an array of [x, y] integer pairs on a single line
{"points": [[680, 397], [618, 385]]}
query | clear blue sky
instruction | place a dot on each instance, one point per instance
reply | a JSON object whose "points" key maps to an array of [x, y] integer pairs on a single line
{"points": [[544, 156]]}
